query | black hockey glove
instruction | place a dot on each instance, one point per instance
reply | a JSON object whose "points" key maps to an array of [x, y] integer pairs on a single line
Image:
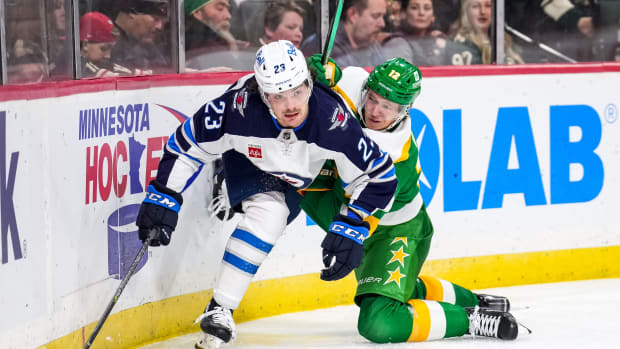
{"points": [[160, 211], [343, 246]]}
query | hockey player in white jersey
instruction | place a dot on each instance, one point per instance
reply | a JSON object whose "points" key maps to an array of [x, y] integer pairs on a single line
{"points": [[275, 129]]}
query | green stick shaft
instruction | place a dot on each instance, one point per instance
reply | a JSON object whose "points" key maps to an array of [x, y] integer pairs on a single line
{"points": [[331, 36]]}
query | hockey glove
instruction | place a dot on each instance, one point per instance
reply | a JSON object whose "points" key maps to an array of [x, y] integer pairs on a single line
{"points": [[343, 246], [160, 211], [329, 74]]}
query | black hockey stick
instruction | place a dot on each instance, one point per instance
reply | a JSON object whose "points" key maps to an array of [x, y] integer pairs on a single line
{"points": [[331, 35], [121, 287]]}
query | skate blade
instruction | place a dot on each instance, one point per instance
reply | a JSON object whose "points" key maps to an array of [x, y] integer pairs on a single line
{"points": [[209, 342]]}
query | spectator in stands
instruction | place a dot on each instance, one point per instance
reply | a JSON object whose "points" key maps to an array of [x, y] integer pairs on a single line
{"points": [[96, 42], [417, 40], [248, 22], [471, 36], [446, 13], [140, 23], [208, 41], [565, 25], [59, 48], [356, 40], [22, 23], [284, 20], [58, 18], [26, 63]]}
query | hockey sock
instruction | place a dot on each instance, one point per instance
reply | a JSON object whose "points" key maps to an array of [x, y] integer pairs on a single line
{"points": [[384, 320], [431, 288], [436, 320], [262, 223]]}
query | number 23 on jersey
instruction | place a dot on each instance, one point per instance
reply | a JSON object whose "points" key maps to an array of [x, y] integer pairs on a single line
{"points": [[214, 114]]}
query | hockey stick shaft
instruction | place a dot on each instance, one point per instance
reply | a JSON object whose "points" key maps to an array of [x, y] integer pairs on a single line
{"points": [[120, 288], [540, 45], [331, 35]]}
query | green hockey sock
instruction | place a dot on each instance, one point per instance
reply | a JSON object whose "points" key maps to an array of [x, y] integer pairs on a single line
{"points": [[431, 288], [385, 320], [436, 320]]}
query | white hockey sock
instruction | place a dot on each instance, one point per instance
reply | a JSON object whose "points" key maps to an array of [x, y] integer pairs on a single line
{"points": [[263, 222]]}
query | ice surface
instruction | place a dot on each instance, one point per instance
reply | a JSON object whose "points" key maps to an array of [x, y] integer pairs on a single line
{"points": [[579, 314]]}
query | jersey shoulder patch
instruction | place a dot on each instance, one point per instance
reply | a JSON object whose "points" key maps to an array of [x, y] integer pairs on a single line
{"points": [[332, 112]]}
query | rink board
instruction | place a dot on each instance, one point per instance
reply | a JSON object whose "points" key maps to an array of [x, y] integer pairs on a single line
{"points": [[520, 175]]}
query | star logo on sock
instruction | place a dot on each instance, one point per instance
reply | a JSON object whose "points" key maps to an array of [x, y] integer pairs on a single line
{"points": [[401, 239], [398, 256], [395, 276]]}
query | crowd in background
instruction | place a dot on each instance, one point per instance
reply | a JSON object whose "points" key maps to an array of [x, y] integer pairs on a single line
{"points": [[136, 37]]}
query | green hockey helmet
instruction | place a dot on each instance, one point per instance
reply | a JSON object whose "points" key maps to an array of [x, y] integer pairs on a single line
{"points": [[396, 80]]}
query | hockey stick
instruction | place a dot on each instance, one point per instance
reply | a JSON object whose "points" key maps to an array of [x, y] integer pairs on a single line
{"points": [[121, 287], [331, 35], [538, 44]]}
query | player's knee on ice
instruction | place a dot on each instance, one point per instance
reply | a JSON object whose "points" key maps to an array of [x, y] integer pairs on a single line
{"points": [[384, 320]]}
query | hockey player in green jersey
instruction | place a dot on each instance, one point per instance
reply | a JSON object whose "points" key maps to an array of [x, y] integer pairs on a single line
{"points": [[395, 304]]}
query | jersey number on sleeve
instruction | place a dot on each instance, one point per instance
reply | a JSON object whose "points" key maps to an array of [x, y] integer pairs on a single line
{"points": [[214, 121], [366, 150]]}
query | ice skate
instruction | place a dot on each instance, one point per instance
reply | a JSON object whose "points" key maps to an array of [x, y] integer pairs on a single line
{"points": [[492, 323], [219, 206], [217, 326], [487, 301], [208, 342]]}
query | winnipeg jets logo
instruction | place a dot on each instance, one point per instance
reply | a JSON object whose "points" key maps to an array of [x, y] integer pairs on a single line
{"points": [[259, 57], [240, 101], [291, 49], [339, 119], [292, 179]]}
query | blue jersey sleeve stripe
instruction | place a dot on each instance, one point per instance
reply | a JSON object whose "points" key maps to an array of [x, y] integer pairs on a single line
{"points": [[192, 178], [390, 173], [381, 158], [379, 170], [361, 209], [240, 263], [252, 240], [172, 144], [187, 127], [380, 161]]}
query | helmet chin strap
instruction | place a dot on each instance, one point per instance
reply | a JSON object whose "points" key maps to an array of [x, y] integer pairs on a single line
{"points": [[400, 117]]}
